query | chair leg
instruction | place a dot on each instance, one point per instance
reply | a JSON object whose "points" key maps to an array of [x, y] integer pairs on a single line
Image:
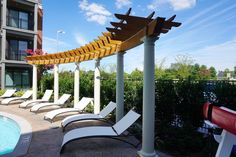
{"points": [[226, 144]]}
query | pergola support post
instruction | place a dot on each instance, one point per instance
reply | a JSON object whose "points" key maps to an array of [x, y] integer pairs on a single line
{"points": [[120, 86], [56, 82], [148, 133], [35, 80], [97, 82], [76, 84]]}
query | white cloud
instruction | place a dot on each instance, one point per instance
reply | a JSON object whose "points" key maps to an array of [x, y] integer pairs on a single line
{"points": [[182, 4], [215, 15], [175, 4], [80, 39], [123, 3], [50, 45], [204, 13], [220, 56], [95, 12]]}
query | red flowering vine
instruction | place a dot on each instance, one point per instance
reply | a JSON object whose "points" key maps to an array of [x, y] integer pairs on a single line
{"points": [[41, 68]]}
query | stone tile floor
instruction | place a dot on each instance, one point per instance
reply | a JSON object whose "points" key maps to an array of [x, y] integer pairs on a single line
{"points": [[47, 138]]}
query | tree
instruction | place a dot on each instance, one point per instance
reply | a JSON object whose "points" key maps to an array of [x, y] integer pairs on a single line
{"points": [[136, 74], [159, 70], [195, 71], [204, 73], [183, 66], [234, 71], [212, 72], [227, 72]]}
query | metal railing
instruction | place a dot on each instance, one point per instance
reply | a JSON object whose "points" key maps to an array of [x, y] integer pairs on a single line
{"points": [[20, 23], [15, 55]]}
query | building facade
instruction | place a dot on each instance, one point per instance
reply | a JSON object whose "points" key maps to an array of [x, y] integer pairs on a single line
{"points": [[21, 29]]}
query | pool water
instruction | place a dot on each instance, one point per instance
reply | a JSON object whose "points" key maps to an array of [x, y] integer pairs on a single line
{"points": [[9, 135]]}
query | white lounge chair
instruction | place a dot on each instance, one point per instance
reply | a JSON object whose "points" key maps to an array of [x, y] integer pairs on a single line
{"points": [[79, 107], [89, 116], [101, 131], [45, 98], [58, 103], [8, 93], [24, 97]]}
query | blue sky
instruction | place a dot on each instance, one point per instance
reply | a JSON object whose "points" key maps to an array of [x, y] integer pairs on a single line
{"points": [[207, 33]]}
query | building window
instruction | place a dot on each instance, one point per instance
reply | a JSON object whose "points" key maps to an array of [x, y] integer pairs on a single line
{"points": [[18, 19], [17, 78], [23, 20], [16, 49]]}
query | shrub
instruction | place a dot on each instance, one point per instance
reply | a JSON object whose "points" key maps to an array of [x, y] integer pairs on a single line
{"points": [[2, 91], [19, 93]]}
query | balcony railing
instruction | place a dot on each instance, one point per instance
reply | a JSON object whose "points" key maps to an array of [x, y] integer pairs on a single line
{"points": [[16, 55], [20, 23]]}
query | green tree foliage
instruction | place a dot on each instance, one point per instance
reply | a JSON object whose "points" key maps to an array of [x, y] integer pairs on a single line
{"points": [[159, 70], [183, 68], [234, 71], [212, 73]]}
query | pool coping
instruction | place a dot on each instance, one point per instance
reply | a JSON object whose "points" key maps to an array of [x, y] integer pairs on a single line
{"points": [[25, 137]]}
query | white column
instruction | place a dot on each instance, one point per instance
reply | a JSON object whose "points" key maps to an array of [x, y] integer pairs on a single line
{"points": [[35, 80], [148, 99], [97, 77], [3, 76], [120, 86], [226, 144], [56, 82], [76, 84]]}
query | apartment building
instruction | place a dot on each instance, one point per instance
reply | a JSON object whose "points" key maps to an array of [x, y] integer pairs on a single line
{"points": [[21, 29]]}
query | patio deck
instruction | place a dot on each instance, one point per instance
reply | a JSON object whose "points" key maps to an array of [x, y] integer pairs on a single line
{"points": [[47, 138]]}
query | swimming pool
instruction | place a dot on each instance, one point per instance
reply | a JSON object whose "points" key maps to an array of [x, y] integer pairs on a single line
{"points": [[15, 135], [9, 135]]}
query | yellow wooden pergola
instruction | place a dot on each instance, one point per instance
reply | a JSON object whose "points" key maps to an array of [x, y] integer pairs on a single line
{"points": [[127, 33]]}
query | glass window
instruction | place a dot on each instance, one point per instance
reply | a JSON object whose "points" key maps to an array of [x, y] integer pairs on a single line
{"points": [[13, 49], [23, 46], [9, 79], [17, 49], [18, 19], [23, 20], [17, 78], [25, 79], [13, 18]]}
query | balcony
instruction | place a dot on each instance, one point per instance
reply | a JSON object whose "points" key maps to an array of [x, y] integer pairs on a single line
{"points": [[15, 55], [20, 23]]}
